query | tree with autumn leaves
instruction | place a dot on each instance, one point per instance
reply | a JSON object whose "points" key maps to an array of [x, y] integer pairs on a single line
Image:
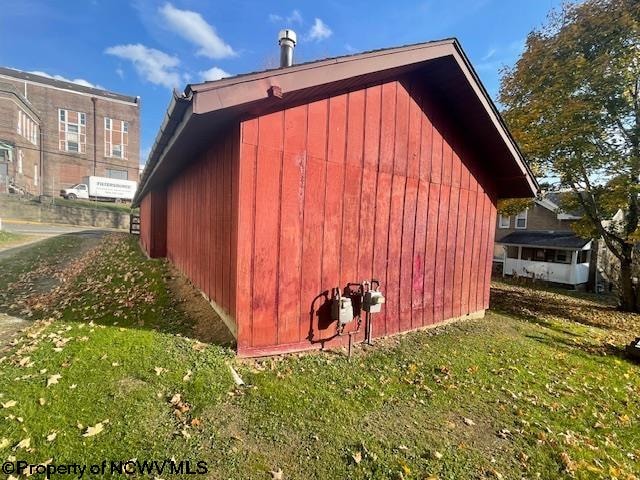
{"points": [[572, 101]]}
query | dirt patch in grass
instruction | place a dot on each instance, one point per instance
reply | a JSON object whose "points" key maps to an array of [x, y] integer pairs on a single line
{"points": [[207, 325], [39, 277], [10, 328], [128, 385]]}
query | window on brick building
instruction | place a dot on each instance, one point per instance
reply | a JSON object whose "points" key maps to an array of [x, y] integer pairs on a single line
{"points": [[116, 138], [27, 127], [35, 175], [119, 174], [72, 131], [20, 160]]}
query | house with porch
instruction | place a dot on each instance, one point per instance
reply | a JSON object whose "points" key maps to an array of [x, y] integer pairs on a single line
{"points": [[538, 243]]}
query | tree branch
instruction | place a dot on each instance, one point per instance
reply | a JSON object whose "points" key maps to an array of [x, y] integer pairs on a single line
{"points": [[591, 210]]}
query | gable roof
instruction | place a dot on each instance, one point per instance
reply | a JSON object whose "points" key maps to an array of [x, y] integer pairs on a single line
{"points": [[545, 239], [556, 199], [205, 109]]}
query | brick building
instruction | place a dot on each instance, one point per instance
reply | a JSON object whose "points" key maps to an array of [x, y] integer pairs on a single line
{"points": [[53, 133], [19, 140]]}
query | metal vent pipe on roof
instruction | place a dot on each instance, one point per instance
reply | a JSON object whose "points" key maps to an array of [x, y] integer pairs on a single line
{"points": [[287, 41]]}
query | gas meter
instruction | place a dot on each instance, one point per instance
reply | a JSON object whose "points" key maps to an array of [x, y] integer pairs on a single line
{"points": [[373, 300], [341, 308]]}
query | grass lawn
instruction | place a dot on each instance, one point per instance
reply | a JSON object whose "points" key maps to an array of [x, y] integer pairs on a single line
{"points": [[109, 371], [8, 239]]}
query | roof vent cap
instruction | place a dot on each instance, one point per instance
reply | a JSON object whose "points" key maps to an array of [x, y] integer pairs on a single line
{"points": [[287, 40]]}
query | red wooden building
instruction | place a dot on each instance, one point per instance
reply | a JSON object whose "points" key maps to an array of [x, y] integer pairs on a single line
{"points": [[270, 188]]}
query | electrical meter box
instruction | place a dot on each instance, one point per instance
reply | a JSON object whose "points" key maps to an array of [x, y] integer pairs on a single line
{"points": [[342, 310], [373, 301]]}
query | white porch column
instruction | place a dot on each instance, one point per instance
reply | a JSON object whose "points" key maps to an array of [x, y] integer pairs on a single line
{"points": [[574, 263]]}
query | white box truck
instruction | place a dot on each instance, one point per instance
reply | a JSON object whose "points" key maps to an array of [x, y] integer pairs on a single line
{"points": [[101, 188]]}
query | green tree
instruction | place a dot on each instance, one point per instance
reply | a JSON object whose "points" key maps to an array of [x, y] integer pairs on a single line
{"points": [[572, 102]]}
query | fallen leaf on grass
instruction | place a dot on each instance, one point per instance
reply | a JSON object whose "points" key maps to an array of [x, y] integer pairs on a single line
{"points": [[159, 370], [9, 404], [51, 437], [187, 376], [569, 464], [468, 421], [277, 474], [95, 430], [4, 443], [53, 379], [357, 457], [24, 443], [496, 474]]}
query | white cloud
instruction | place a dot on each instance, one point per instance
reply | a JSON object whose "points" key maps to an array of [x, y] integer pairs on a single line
{"points": [[214, 73], [192, 27], [294, 17], [151, 64], [491, 53], [319, 31], [120, 72], [77, 81]]}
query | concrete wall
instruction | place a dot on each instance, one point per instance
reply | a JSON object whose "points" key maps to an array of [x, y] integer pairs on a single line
{"points": [[27, 209]]}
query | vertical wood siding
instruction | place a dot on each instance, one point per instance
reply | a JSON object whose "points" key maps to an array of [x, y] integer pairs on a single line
{"points": [[153, 226], [374, 183], [202, 221]]}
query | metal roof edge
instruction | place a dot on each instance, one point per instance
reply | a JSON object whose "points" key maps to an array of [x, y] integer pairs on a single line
{"points": [[519, 157], [174, 120], [235, 93], [66, 85], [276, 72]]}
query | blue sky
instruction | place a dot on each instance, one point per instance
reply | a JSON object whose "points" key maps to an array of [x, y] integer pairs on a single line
{"points": [[147, 47]]}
